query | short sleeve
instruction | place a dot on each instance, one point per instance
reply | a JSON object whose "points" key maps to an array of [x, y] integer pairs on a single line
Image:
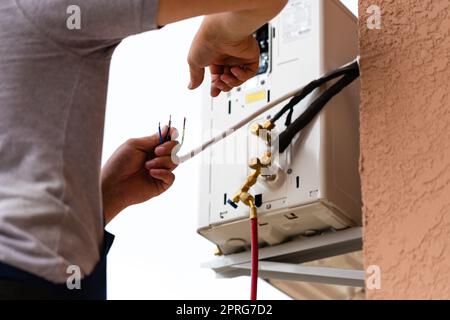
{"points": [[89, 24]]}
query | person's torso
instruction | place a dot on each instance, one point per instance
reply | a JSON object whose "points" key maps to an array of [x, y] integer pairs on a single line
{"points": [[51, 129], [52, 101]]}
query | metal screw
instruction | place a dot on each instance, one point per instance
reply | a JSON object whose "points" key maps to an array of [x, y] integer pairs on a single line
{"points": [[268, 206], [289, 171]]}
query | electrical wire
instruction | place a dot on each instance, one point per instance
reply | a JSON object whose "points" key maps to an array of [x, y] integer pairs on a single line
{"points": [[161, 139], [267, 107], [237, 126], [169, 128], [183, 132], [286, 137], [349, 68]]}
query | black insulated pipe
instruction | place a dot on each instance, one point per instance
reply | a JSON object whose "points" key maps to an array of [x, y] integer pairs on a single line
{"points": [[350, 68], [286, 137]]}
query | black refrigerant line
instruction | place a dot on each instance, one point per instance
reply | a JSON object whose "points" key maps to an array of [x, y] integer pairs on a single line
{"points": [[347, 73], [310, 87]]}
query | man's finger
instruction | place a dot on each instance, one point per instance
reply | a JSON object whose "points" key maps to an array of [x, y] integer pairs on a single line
{"points": [[231, 80], [222, 85], [161, 163], [215, 77], [148, 144], [214, 91], [165, 176], [216, 69], [173, 132], [144, 144], [197, 76], [166, 148], [243, 74]]}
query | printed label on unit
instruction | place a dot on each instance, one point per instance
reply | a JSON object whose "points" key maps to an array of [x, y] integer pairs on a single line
{"points": [[255, 97], [296, 20]]}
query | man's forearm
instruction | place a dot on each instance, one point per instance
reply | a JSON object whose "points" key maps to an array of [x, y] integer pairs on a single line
{"points": [[240, 17]]}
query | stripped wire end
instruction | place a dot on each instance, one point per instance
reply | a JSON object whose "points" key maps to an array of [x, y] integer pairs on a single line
{"points": [[168, 136], [161, 140], [183, 132]]}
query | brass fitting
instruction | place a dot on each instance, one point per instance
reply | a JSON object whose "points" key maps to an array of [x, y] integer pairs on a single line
{"points": [[249, 201], [257, 165], [237, 196], [268, 125], [254, 164], [255, 128], [266, 159], [246, 198], [251, 180], [253, 211]]}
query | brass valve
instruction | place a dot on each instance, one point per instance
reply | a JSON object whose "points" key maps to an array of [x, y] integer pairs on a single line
{"points": [[266, 159], [268, 125], [255, 128], [249, 201], [256, 165], [246, 198]]}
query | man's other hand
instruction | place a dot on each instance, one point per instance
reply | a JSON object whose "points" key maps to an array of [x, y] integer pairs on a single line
{"points": [[140, 169]]}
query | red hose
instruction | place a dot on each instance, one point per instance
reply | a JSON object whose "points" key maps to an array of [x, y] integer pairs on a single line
{"points": [[254, 244]]}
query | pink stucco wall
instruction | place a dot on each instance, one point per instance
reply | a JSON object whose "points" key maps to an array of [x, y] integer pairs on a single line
{"points": [[405, 147]]}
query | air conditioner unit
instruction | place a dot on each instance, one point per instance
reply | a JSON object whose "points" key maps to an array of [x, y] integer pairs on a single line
{"points": [[317, 184]]}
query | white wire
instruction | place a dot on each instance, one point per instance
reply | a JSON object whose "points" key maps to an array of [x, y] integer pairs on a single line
{"points": [[242, 123], [237, 126]]}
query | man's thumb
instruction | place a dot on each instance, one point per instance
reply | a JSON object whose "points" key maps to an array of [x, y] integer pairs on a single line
{"points": [[146, 144]]}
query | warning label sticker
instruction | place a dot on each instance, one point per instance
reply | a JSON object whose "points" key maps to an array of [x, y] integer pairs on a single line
{"points": [[296, 19]]}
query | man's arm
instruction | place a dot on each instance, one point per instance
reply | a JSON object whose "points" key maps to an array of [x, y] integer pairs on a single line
{"points": [[224, 42], [243, 17]]}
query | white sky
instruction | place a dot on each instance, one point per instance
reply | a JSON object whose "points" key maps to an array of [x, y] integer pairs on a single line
{"points": [[157, 252]]}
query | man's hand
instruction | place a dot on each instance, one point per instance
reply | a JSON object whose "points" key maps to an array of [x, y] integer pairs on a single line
{"points": [[224, 42], [139, 170], [230, 61]]}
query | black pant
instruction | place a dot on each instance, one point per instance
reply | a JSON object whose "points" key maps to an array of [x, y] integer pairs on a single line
{"points": [[16, 284], [19, 290]]}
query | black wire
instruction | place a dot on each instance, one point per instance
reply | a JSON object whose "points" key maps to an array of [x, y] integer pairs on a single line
{"points": [[311, 87], [288, 121], [311, 112]]}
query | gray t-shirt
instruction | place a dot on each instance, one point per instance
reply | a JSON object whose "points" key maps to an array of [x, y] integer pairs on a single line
{"points": [[53, 84]]}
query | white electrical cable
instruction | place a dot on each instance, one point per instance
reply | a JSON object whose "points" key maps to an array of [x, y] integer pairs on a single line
{"points": [[237, 126], [243, 122]]}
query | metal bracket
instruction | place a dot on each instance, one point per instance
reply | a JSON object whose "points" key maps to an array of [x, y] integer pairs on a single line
{"points": [[283, 261]]}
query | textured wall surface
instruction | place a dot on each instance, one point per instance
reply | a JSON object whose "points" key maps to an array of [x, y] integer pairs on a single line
{"points": [[405, 147]]}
